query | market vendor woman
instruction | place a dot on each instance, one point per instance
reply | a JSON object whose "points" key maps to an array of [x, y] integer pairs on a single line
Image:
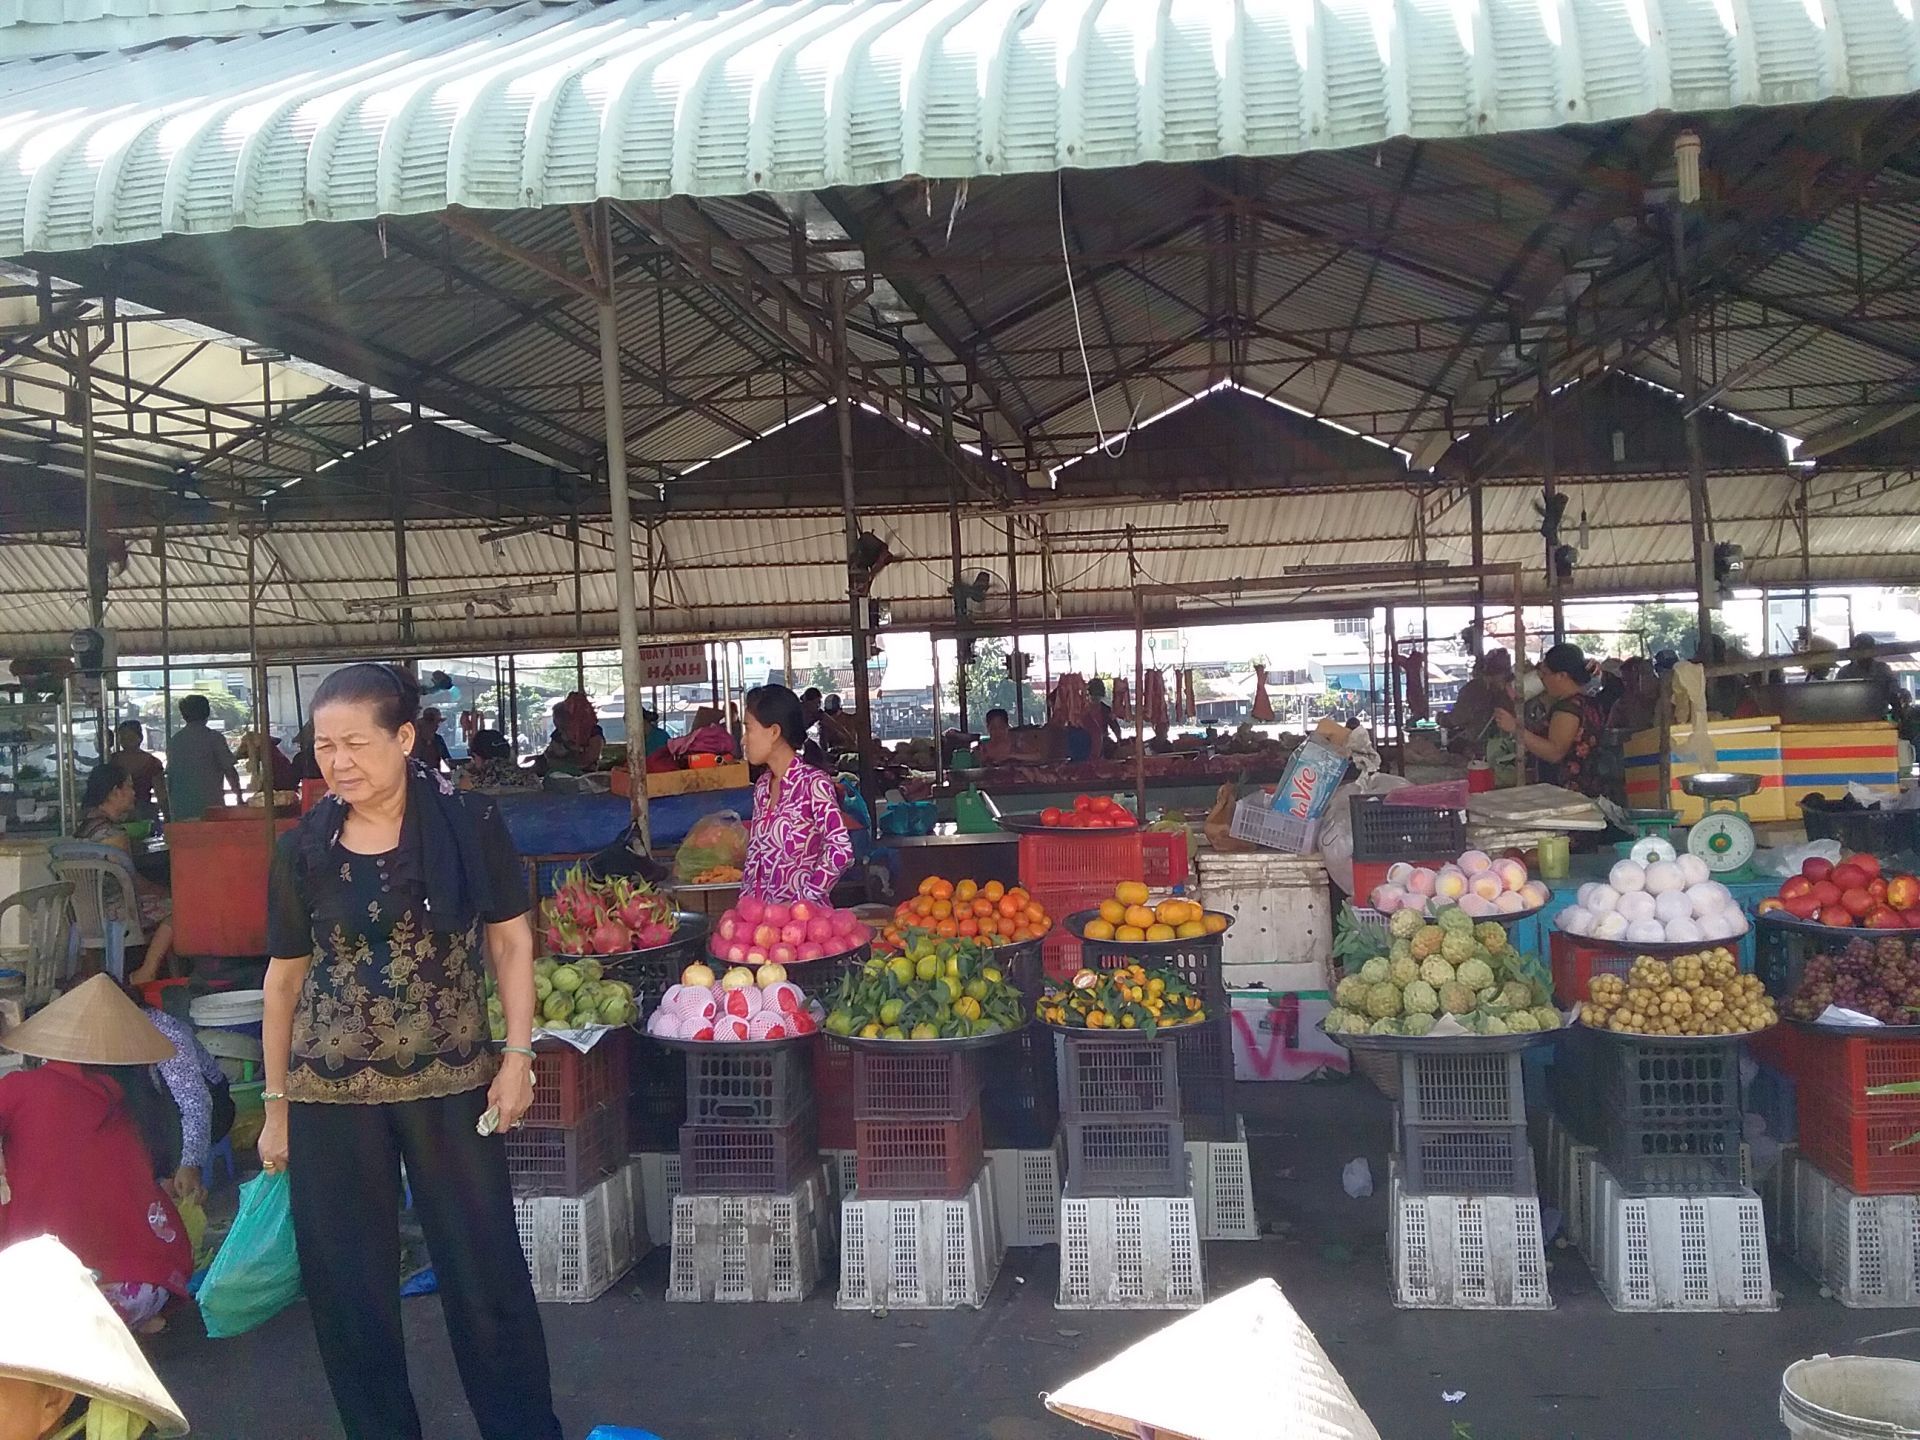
{"points": [[386, 903], [797, 841], [1572, 751]]}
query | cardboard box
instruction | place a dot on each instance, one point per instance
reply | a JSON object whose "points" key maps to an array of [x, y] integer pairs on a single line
{"points": [[1824, 759], [732, 776], [1743, 747]]}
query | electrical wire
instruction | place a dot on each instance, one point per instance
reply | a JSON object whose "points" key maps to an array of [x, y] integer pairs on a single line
{"points": [[1079, 335]]}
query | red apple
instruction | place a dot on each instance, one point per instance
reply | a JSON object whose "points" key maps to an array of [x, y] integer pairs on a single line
{"points": [[1801, 907], [1911, 918], [1837, 916], [1868, 863], [1847, 875], [1816, 867], [1771, 904], [1903, 892], [1877, 888], [1795, 886], [1826, 893], [1881, 918], [1856, 900]]}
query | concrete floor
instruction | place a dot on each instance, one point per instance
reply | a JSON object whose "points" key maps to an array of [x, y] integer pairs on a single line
{"points": [[770, 1371]]}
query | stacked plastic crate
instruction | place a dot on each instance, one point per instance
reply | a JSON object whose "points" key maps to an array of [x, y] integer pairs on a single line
{"points": [[919, 1231], [1075, 870], [1129, 1231], [746, 1221], [577, 1201], [1465, 1206]]}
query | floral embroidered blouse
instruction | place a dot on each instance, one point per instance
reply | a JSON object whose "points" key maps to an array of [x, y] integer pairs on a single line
{"points": [[796, 848], [393, 1008]]}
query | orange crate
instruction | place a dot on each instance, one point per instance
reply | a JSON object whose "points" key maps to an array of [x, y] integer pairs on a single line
{"points": [[1164, 859], [1078, 858], [569, 1086], [917, 1159], [1060, 952], [1869, 1153]]}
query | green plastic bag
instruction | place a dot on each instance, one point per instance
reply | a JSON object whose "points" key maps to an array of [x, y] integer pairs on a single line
{"points": [[256, 1275]]}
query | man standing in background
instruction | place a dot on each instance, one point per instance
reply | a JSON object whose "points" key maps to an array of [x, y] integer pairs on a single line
{"points": [[199, 764], [143, 768]]}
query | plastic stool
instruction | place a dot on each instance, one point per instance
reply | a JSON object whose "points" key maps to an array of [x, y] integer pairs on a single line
{"points": [[219, 1154]]}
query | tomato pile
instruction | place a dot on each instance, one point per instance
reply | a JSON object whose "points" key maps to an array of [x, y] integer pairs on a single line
{"points": [[1089, 812], [1853, 893], [950, 909]]}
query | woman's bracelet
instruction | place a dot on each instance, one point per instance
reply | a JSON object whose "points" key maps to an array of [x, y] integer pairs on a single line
{"points": [[269, 1096], [526, 1050]]}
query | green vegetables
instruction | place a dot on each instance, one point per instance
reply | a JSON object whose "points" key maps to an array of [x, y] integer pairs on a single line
{"points": [[932, 990]]}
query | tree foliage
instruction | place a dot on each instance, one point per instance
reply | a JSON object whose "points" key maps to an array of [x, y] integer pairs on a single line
{"points": [[989, 686]]}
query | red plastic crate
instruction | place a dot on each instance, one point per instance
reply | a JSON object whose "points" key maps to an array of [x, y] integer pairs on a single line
{"points": [[1164, 858], [568, 1162], [1845, 1067], [1862, 1151], [943, 1085], [1078, 858], [917, 1159], [833, 1095], [746, 1159], [1576, 961], [1059, 951], [569, 1086]]}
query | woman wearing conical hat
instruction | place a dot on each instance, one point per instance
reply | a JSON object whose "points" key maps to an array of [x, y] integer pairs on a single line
{"points": [[77, 1148], [68, 1367]]}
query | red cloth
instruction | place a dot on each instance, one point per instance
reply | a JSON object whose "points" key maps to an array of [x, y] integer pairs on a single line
{"points": [[1262, 702], [79, 1171]]}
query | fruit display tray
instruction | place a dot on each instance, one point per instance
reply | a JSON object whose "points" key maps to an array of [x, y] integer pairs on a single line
{"points": [[1029, 824]]}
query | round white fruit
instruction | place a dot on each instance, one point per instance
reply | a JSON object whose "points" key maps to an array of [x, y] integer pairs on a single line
{"points": [[1636, 905], [1626, 876], [1575, 920], [1662, 876], [1603, 899], [1646, 932], [1671, 905], [1683, 931], [1584, 895], [1693, 868], [1610, 925]]}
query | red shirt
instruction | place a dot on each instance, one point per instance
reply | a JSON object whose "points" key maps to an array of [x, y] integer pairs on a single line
{"points": [[79, 1171]]}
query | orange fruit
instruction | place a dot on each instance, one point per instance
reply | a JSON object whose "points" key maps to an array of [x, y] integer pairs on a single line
{"points": [[947, 929], [1113, 912], [1170, 912], [1129, 932], [1214, 923], [1130, 892], [983, 907], [1019, 894], [1139, 917], [993, 890], [1099, 930], [942, 889], [966, 890], [1159, 932], [1189, 930], [926, 885], [969, 926], [1035, 915], [1009, 905]]}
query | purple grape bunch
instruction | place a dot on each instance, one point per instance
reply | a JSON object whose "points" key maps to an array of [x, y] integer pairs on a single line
{"points": [[1878, 977]]}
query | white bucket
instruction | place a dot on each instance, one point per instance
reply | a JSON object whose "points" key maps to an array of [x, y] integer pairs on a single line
{"points": [[1851, 1397]]}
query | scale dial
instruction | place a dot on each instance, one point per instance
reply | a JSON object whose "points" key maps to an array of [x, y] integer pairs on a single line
{"points": [[1723, 839]]}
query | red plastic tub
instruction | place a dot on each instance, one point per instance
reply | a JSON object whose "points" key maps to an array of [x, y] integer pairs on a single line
{"points": [[220, 885]]}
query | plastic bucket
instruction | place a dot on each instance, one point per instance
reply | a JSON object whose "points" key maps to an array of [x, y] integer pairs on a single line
{"points": [[1851, 1397]]}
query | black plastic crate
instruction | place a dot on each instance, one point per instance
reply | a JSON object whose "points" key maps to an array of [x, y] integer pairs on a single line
{"points": [[905, 1085], [1204, 1054], [1020, 1094], [1021, 964], [1197, 961], [1878, 832], [1469, 1089], [1103, 1076], [656, 1097], [1669, 1115], [747, 1159], [917, 1159], [767, 1087], [1393, 832], [1466, 1160], [570, 1161], [1119, 1157], [1575, 1081]]}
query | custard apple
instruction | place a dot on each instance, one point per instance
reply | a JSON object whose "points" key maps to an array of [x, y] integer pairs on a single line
{"points": [[1493, 1025], [1520, 1022], [1383, 1000], [1404, 970], [1385, 1025], [1403, 923], [1415, 1024], [1427, 940], [1456, 999], [1516, 993], [1419, 998], [1345, 1022], [1375, 970], [1457, 948], [1435, 971], [1475, 974], [1455, 921], [1351, 993], [1546, 1017], [1401, 950], [1491, 934], [1489, 994]]}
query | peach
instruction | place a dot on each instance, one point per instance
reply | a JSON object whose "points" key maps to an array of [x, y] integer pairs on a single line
{"points": [[1450, 883], [1387, 898], [1509, 903], [1475, 862], [1478, 906], [1511, 872], [1420, 881], [1535, 893], [1486, 885]]}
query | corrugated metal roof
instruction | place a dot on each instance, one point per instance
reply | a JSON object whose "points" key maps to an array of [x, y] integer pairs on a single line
{"points": [[636, 99]]}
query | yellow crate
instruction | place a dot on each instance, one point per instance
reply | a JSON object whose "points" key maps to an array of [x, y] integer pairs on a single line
{"points": [[1823, 759], [1741, 747]]}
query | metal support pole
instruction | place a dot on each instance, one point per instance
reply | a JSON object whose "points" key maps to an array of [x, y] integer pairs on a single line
{"points": [[396, 508], [856, 601], [1139, 697], [513, 703], [1549, 488], [960, 633], [579, 613], [1696, 458], [166, 629], [1806, 558], [95, 499], [620, 511], [1396, 713], [1014, 672], [1477, 517]]}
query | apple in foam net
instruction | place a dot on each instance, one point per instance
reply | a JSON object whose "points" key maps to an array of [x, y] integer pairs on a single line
{"points": [[1450, 883], [1420, 881], [1387, 898], [1398, 872], [751, 907], [793, 933], [1486, 884], [1511, 872]]}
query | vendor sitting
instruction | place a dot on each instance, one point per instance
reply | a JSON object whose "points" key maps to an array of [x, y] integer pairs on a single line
{"points": [[107, 805], [707, 736], [656, 739], [491, 766], [1571, 751], [203, 1104], [81, 1136], [577, 738]]}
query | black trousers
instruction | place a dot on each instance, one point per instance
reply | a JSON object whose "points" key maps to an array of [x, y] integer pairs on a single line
{"points": [[344, 1173]]}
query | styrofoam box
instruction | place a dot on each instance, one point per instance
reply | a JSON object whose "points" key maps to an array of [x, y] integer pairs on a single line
{"points": [[920, 1254], [1466, 1252], [1130, 1254], [1282, 936], [1026, 1194], [1676, 1252], [731, 1248], [578, 1246], [1222, 1180], [1276, 1035], [1863, 1248]]}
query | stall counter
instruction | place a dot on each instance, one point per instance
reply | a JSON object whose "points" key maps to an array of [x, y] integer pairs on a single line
{"points": [[548, 824]]}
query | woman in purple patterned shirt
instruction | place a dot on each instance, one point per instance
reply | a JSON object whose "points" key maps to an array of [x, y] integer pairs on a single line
{"points": [[797, 842]]}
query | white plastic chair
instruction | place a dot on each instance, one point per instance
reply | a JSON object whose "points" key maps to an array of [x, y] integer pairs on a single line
{"points": [[105, 906], [50, 941]]}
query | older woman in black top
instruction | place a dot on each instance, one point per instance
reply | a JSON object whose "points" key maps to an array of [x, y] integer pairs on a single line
{"points": [[387, 902]]}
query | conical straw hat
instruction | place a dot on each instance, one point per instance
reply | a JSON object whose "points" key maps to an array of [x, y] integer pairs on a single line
{"points": [[92, 1024], [63, 1333]]}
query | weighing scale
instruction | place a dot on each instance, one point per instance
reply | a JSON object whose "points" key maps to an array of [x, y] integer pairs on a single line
{"points": [[1721, 838]]}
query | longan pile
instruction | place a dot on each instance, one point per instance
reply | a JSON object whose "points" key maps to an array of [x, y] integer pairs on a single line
{"points": [[1694, 994]]}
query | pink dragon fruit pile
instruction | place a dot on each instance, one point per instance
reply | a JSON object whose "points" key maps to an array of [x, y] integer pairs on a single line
{"points": [[604, 917], [733, 1008], [757, 931]]}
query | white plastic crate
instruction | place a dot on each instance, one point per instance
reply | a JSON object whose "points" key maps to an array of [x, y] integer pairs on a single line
{"points": [[1130, 1254], [731, 1248], [1466, 1252], [920, 1254], [1223, 1188], [578, 1246], [842, 1172], [1567, 1176], [1257, 822], [1676, 1252], [660, 1187], [1026, 1195], [1863, 1248]]}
